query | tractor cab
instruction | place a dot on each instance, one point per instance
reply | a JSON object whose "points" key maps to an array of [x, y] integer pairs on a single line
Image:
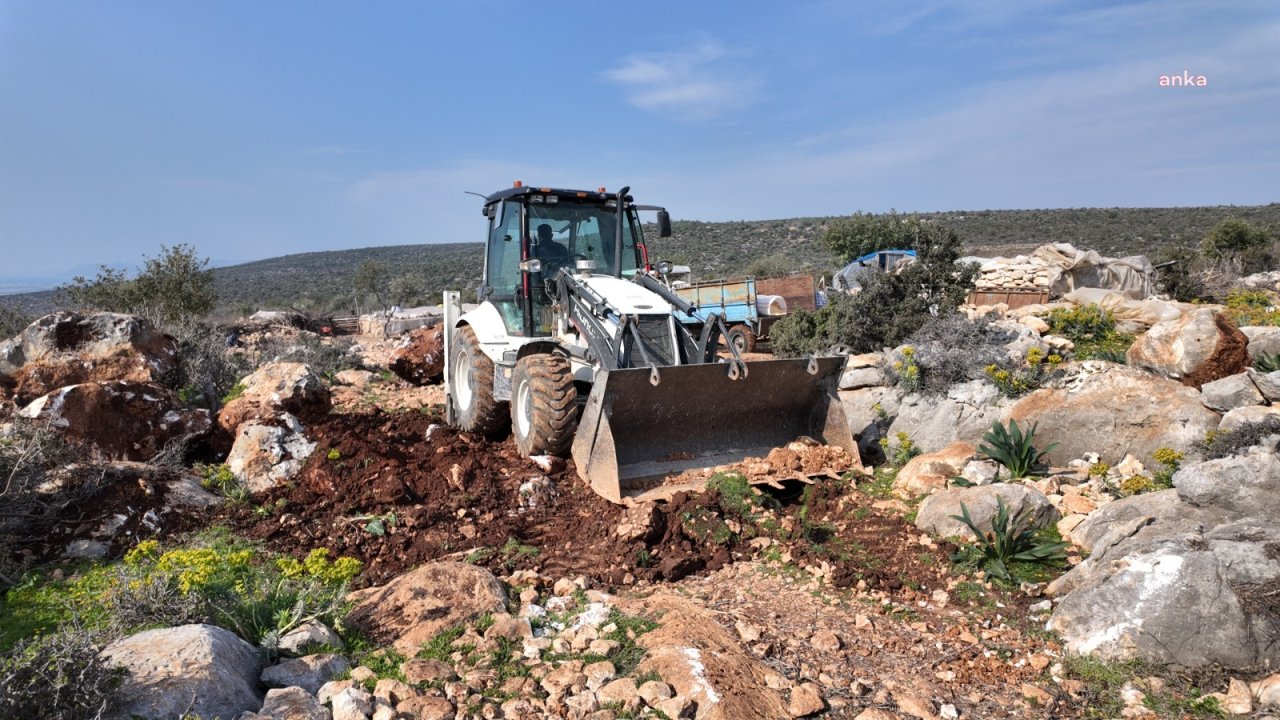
{"points": [[534, 232]]}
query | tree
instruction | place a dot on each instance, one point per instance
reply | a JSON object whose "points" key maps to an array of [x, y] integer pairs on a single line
{"points": [[173, 287], [371, 279], [890, 306], [1240, 247], [1232, 236], [861, 234]]}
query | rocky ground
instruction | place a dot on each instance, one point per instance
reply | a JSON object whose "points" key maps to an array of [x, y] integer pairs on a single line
{"points": [[501, 586]]}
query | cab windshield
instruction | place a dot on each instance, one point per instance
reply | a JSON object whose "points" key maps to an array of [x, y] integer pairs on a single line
{"points": [[565, 231]]}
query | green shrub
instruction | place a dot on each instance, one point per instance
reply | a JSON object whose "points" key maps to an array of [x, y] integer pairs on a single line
{"points": [[58, 676], [174, 287], [1092, 329], [1008, 542], [889, 308], [219, 479], [1267, 362], [205, 373], [1080, 323], [735, 496], [907, 371], [1183, 279], [1234, 237], [257, 598], [900, 450], [1252, 307], [31, 455], [1014, 450], [216, 579]]}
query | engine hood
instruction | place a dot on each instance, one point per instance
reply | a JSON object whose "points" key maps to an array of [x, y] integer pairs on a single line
{"points": [[625, 296]]}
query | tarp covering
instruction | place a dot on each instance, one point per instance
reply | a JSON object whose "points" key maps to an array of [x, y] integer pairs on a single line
{"points": [[1132, 276], [1141, 312]]}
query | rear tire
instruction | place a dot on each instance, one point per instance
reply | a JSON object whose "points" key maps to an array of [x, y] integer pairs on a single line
{"points": [[472, 386], [543, 405], [742, 338]]}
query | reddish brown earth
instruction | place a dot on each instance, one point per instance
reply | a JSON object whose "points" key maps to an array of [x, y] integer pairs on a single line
{"points": [[459, 495]]}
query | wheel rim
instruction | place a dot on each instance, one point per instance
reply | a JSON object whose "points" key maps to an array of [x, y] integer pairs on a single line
{"points": [[524, 409], [462, 381], [739, 342]]}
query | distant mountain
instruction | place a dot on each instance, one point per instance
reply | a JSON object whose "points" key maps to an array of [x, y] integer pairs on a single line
{"points": [[322, 280]]}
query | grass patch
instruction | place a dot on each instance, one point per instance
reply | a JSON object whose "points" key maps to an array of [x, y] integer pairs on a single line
{"points": [[1103, 680]]}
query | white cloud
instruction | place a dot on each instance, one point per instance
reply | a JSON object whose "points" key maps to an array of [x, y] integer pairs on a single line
{"points": [[693, 84]]}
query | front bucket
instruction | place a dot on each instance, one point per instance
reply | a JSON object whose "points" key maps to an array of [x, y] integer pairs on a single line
{"points": [[697, 417]]}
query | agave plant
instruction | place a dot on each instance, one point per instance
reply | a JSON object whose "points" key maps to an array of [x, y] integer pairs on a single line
{"points": [[1014, 450], [1010, 540], [1267, 362]]}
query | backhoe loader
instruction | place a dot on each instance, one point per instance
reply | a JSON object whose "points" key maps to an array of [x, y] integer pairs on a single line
{"points": [[575, 346]]}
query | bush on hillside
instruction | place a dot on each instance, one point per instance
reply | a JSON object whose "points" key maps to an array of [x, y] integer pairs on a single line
{"points": [[205, 369], [890, 306], [12, 322], [174, 287], [39, 480], [952, 349], [862, 233]]}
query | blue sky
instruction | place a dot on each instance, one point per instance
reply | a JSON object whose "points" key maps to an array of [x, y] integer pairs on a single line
{"points": [[256, 129]]}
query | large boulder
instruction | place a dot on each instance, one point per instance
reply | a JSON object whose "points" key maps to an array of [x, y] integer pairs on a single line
{"points": [[1180, 576], [293, 703], [1026, 505], [68, 348], [192, 669], [931, 471], [1247, 485], [1238, 418], [275, 388], [308, 672], [1192, 599], [1231, 392], [868, 412], [269, 453], [120, 420], [1201, 346], [417, 606], [705, 664], [1114, 411], [419, 357], [964, 413], [1148, 516], [1263, 339]]}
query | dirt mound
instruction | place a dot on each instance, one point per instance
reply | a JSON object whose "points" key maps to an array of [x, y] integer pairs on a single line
{"points": [[399, 490], [421, 360]]}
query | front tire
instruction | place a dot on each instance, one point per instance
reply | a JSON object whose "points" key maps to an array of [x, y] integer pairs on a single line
{"points": [[471, 374], [543, 405]]}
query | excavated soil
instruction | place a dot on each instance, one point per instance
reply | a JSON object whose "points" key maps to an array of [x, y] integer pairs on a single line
{"points": [[439, 493]]}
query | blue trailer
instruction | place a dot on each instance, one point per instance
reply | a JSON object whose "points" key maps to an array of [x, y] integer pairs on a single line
{"points": [[733, 300]]}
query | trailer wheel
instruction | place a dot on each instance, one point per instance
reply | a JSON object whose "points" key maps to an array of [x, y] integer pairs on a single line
{"points": [[743, 339], [543, 405], [472, 386]]}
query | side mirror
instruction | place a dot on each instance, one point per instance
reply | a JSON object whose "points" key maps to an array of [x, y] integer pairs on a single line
{"points": [[663, 267], [664, 224]]}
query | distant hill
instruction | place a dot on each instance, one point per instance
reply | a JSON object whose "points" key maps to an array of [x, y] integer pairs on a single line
{"points": [[322, 280]]}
